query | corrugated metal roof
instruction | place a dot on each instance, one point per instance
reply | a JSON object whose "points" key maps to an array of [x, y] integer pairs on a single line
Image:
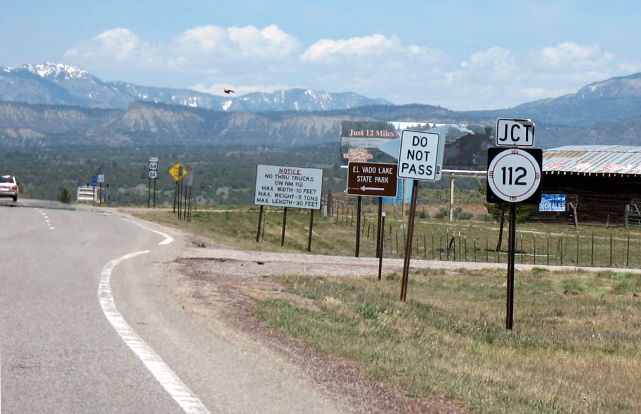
{"points": [[593, 159]]}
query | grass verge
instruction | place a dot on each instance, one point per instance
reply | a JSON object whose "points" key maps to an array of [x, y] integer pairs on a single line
{"points": [[574, 348]]}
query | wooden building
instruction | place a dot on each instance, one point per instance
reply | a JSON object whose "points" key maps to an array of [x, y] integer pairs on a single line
{"points": [[602, 183]]}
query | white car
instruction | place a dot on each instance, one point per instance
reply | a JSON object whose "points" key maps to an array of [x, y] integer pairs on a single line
{"points": [[9, 187]]}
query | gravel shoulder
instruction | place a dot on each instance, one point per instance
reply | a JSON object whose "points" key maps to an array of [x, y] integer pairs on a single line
{"points": [[218, 287]]}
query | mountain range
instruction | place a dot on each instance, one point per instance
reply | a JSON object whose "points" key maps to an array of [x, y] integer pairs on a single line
{"points": [[58, 105], [60, 84]]}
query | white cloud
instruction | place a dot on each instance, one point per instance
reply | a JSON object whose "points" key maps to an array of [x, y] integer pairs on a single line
{"points": [[570, 55], [357, 46], [203, 43], [117, 44], [376, 46]]}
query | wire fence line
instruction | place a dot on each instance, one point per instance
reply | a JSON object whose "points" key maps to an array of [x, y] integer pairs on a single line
{"points": [[571, 249]]}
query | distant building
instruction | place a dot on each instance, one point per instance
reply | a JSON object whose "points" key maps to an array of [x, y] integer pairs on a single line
{"points": [[602, 183]]}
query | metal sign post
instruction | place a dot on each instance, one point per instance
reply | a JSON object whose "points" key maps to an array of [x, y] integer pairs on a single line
{"points": [[177, 172], [152, 174], [282, 236], [260, 219], [378, 228], [513, 176], [419, 159], [358, 225], [311, 226], [370, 179], [295, 187], [408, 243], [381, 244]]}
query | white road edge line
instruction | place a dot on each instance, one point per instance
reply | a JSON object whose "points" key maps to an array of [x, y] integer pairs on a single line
{"points": [[187, 400], [168, 238]]}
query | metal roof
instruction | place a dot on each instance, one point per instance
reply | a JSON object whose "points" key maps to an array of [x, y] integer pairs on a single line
{"points": [[593, 159]]}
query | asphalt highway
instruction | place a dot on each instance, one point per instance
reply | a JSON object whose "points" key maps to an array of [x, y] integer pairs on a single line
{"points": [[88, 325]]}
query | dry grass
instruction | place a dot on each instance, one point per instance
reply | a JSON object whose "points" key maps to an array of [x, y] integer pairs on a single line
{"points": [[572, 350]]}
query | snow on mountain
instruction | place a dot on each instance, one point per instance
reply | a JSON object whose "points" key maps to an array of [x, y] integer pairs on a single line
{"points": [[57, 83], [53, 70]]}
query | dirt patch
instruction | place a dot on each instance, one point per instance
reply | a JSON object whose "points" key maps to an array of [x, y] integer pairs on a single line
{"points": [[221, 293]]}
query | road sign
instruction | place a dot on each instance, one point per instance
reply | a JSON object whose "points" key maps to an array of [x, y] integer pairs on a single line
{"points": [[153, 166], [514, 175], [101, 178], [514, 132], [288, 186], [372, 179], [552, 202], [153, 174], [177, 171], [153, 159], [94, 180], [419, 156]]}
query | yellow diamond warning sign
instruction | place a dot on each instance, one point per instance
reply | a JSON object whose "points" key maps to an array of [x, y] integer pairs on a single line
{"points": [[177, 171]]}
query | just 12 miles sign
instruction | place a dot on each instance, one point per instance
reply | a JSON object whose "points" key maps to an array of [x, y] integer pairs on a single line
{"points": [[288, 187]]}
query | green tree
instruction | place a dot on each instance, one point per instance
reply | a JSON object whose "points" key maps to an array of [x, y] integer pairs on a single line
{"points": [[65, 196]]}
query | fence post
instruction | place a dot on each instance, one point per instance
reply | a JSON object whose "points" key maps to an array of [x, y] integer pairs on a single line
{"points": [[474, 246], [547, 254], [465, 248], [610, 250], [522, 249], [534, 240], [424, 246], [487, 250], [627, 252], [561, 249], [592, 253], [577, 248]]}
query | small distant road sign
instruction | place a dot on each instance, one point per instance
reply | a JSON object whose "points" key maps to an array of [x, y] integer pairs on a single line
{"points": [[514, 175], [372, 179], [94, 180], [153, 174], [419, 157], [101, 178], [177, 171], [153, 166], [153, 159], [514, 132]]}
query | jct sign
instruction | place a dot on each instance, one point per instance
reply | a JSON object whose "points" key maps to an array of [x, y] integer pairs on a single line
{"points": [[288, 186], [514, 133], [419, 158]]}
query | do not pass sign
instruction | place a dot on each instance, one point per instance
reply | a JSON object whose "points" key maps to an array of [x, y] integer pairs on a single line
{"points": [[419, 157]]}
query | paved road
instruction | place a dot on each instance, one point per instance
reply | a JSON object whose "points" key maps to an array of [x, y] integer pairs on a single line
{"points": [[85, 328]]}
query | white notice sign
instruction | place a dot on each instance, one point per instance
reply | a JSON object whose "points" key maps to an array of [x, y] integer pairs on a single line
{"points": [[419, 156], [288, 187]]}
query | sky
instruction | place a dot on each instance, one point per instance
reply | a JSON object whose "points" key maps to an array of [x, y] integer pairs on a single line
{"points": [[458, 54]]}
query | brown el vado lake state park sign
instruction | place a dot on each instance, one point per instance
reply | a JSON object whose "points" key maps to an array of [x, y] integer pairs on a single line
{"points": [[372, 179]]}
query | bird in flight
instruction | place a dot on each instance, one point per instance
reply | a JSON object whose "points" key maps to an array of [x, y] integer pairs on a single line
{"points": [[228, 91]]}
